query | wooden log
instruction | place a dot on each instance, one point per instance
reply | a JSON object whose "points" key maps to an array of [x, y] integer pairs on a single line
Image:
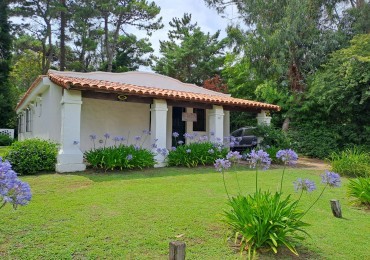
{"points": [[177, 250], [335, 208]]}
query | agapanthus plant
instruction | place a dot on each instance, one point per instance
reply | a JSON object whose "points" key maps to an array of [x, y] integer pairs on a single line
{"points": [[267, 220], [12, 189]]}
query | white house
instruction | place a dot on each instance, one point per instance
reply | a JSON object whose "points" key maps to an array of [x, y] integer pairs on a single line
{"points": [[67, 107]]}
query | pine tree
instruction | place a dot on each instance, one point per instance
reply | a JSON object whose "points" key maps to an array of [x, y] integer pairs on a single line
{"points": [[7, 113]]}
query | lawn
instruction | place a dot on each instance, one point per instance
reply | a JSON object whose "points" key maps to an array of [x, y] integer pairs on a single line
{"points": [[135, 215]]}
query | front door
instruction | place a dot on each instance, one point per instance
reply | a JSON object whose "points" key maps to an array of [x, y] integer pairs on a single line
{"points": [[178, 125]]}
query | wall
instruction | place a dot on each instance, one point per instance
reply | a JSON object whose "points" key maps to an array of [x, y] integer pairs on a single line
{"points": [[116, 118], [45, 112]]}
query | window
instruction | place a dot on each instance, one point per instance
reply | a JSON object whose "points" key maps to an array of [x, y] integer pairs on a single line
{"points": [[28, 120], [200, 124], [20, 123]]}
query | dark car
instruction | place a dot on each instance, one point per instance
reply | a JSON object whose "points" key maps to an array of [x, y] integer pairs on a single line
{"points": [[245, 139]]}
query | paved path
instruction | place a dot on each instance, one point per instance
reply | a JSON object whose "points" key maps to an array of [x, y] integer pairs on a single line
{"points": [[314, 164]]}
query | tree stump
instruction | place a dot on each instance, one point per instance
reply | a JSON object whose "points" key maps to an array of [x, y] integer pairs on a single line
{"points": [[177, 250], [335, 208]]}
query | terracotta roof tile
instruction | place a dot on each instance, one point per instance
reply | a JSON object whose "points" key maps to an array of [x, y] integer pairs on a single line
{"points": [[102, 85]]}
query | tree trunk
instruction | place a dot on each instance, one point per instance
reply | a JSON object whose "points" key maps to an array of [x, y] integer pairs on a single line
{"points": [[62, 36], [286, 124]]}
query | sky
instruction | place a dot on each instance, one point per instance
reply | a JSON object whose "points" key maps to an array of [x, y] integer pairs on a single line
{"points": [[207, 18]]}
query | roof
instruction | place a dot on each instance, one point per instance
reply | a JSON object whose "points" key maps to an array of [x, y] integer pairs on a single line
{"points": [[67, 81]]}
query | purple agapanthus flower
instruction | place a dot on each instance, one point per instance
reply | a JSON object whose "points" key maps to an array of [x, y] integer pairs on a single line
{"points": [[122, 138], [117, 138], [304, 185], [146, 132], [222, 164], [106, 135], [137, 138], [162, 151], [180, 142], [233, 156], [76, 142], [173, 148], [188, 150], [331, 178], [129, 157], [288, 156], [189, 136], [93, 136], [212, 133], [211, 151], [259, 158], [12, 189], [175, 134]]}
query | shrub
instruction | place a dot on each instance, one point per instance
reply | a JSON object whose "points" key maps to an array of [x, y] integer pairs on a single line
{"points": [[264, 220], [352, 162], [120, 157], [5, 140], [272, 150], [33, 155], [359, 191], [272, 136], [194, 154]]}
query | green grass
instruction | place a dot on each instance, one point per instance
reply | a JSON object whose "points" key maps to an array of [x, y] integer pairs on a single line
{"points": [[3, 150], [135, 215]]}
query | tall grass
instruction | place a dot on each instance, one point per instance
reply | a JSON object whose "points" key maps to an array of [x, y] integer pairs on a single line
{"points": [[352, 162], [359, 191]]}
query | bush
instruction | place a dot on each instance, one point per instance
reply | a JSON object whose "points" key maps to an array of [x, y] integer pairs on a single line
{"points": [[5, 140], [120, 157], [194, 154], [33, 155], [314, 141], [352, 162], [272, 151], [272, 137], [263, 220], [359, 190]]}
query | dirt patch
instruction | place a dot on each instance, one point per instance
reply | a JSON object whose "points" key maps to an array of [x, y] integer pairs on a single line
{"points": [[312, 164]]}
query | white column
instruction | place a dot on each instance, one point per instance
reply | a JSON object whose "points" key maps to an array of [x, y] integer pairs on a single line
{"points": [[70, 157], [226, 123], [159, 128], [216, 123], [264, 118]]}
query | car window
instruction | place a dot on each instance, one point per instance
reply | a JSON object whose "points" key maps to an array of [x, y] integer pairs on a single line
{"points": [[248, 131], [238, 133]]}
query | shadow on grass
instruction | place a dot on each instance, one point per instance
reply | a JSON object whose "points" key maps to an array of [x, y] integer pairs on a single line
{"points": [[101, 176]]}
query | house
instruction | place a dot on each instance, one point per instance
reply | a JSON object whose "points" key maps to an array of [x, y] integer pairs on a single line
{"points": [[67, 107]]}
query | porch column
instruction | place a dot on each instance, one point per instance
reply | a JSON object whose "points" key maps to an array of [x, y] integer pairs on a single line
{"points": [[159, 128], [70, 157], [264, 118], [227, 123], [216, 123]]}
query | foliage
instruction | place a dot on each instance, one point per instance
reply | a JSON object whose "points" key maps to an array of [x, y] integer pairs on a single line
{"points": [[314, 140], [272, 137], [26, 69], [7, 98], [352, 162], [5, 140], [264, 220], [196, 153], [120, 157], [12, 189], [216, 84], [359, 190], [190, 55], [32, 156], [272, 150]]}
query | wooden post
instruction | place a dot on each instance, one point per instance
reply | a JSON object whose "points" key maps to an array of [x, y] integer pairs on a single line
{"points": [[177, 250], [335, 208]]}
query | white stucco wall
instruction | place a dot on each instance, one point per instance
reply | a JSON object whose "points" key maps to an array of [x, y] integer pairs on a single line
{"points": [[45, 112], [116, 118]]}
